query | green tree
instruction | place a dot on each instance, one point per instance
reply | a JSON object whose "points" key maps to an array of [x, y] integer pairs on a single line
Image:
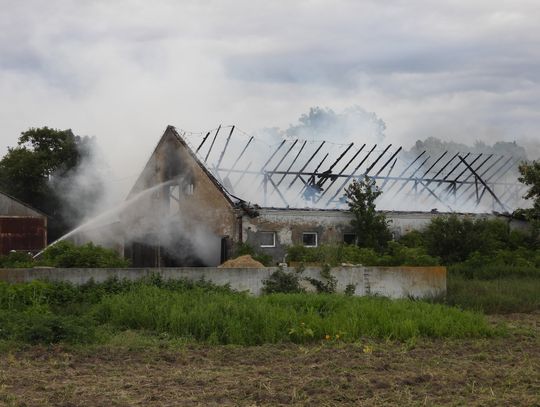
{"points": [[36, 171], [371, 226], [530, 176]]}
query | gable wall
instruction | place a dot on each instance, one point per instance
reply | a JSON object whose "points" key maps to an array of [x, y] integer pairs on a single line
{"points": [[202, 215], [11, 207]]}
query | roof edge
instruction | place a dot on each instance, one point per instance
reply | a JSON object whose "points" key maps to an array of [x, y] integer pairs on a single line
{"points": [[24, 204], [214, 180]]}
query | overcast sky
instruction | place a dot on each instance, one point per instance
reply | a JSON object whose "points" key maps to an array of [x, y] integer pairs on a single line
{"points": [[123, 70]]}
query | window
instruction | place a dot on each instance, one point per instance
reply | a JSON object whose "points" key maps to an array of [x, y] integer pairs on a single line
{"points": [[309, 239], [174, 199], [267, 239], [349, 238], [189, 189]]}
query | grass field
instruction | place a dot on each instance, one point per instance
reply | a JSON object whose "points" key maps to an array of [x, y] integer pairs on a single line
{"points": [[40, 312], [162, 343]]}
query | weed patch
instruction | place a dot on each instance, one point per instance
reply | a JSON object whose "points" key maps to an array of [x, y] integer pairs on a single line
{"points": [[501, 295], [198, 312], [244, 320]]}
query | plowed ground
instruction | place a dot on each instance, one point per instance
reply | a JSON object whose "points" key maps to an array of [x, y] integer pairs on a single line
{"points": [[496, 371]]}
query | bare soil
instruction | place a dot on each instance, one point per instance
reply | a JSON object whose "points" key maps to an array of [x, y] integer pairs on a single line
{"points": [[472, 372]]}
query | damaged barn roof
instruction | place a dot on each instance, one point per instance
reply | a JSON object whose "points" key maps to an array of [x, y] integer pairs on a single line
{"points": [[296, 173]]}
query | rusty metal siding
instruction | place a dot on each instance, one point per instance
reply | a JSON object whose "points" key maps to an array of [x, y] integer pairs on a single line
{"points": [[22, 233]]}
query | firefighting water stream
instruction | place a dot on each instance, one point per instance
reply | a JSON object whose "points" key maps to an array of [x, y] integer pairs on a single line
{"points": [[109, 213]]}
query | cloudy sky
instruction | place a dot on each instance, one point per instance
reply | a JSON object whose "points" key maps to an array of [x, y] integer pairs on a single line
{"points": [[123, 70]]}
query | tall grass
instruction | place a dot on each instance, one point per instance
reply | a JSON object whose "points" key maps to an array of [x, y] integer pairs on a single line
{"points": [[41, 312], [240, 319], [492, 296]]}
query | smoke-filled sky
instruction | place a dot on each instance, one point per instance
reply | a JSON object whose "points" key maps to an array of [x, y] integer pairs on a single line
{"points": [[123, 70]]}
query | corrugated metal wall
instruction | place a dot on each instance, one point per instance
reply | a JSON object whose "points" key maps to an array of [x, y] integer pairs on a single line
{"points": [[22, 233]]}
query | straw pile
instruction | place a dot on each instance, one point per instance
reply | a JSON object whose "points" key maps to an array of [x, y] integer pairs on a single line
{"points": [[245, 261]]}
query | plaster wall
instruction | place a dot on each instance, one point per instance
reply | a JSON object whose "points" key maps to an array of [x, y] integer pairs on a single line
{"points": [[393, 282]]}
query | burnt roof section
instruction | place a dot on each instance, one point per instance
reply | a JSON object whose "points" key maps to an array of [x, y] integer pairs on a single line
{"points": [[299, 173], [218, 185]]}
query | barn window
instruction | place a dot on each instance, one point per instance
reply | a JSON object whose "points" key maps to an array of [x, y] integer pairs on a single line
{"points": [[174, 198], [349, 238], [189, 189], [309, 239], [267, 239]]}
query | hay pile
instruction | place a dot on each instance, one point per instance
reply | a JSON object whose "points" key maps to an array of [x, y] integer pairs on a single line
{"points": [[245, 261]]}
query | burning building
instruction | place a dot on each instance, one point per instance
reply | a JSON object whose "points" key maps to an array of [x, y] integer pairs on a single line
{"points": [[192, 205]]}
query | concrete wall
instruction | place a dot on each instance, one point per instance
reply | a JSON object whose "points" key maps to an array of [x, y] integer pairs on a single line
{"points": [[393, 282]]}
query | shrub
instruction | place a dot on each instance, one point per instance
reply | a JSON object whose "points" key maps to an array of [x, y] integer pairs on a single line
{"points": [[454, 239], [395, 255], [282, 282], [66, 254], [16, 260], [328, 282]]}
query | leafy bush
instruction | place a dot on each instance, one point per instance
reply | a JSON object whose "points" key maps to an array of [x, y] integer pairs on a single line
{"points": [[16, 260], [66, 254], [327, 284], [282, 282], [454, 239], [395, 255]]}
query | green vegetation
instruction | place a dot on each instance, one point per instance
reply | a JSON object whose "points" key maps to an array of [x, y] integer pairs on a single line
{"points": [[494, 295], [245, 248], [41, 312], [40, 171], [396, 254], [490, 267], [282, 282], [371, 226], [240, 319], [530, 176], [455, 239], [66, 254]]}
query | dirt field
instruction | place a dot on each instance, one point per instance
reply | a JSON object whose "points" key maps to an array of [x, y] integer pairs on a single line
{"points": [[501, 371]]}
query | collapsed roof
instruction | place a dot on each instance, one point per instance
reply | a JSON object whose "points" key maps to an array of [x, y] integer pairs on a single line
{"points": [[300, 173]]}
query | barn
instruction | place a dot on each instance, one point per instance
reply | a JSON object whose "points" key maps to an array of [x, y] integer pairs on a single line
{"points": [[22, 228]]}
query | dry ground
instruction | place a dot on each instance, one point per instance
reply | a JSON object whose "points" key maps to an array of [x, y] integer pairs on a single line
{"points": [[500, 371]]}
